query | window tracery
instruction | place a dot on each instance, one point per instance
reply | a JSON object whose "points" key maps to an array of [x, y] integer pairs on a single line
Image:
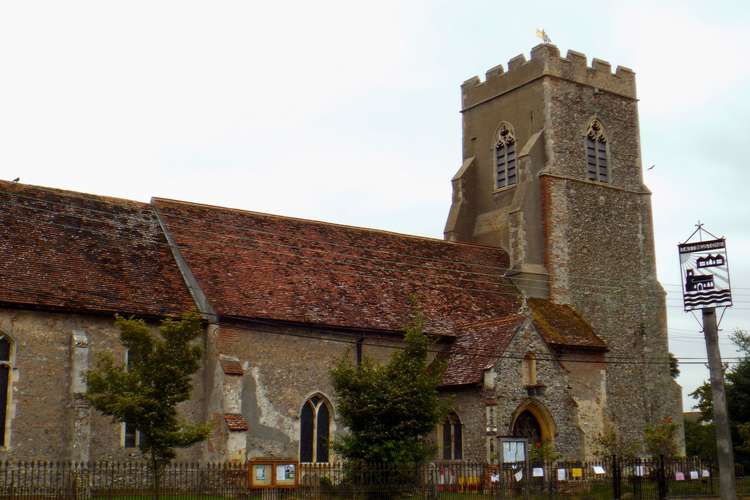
{"points": [[315, 425], [505, 157], [452, 437], [596, 152]]}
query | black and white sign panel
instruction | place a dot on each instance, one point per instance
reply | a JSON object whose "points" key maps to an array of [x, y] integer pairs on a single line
{"points": [[705, 274]]}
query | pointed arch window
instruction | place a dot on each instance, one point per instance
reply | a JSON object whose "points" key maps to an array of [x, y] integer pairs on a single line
{"points": [[315, 431], [596, 152], [506, 172], [451, 438], [6, 347]]}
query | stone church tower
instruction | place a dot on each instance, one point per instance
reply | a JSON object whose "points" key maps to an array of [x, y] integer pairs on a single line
{"points": [[552, 174]]}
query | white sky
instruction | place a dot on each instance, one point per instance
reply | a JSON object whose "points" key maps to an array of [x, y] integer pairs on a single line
{"points": [[348, 111]]}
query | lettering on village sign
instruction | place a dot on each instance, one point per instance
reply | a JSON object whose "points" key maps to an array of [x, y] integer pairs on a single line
{"points": [[705, 274]]}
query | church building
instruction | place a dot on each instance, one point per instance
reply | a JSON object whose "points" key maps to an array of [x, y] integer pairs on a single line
{"points": [[542, 297]]}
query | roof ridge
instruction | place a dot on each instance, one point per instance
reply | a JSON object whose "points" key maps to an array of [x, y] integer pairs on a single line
{"points": [[508, 318], [327, 223]]}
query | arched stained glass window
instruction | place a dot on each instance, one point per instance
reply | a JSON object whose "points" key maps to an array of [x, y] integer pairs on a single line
{"points": [[596, 152], [5, 368], [505, 157], [315, 431]]}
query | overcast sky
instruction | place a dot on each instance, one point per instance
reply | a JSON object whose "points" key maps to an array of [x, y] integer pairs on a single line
{"points": [[348, 111]]}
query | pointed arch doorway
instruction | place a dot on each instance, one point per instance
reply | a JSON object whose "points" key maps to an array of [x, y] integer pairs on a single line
{"points": [[527, 426], [533, 422]]}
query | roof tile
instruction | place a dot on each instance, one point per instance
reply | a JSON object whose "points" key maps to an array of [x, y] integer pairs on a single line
{"points": [[561, 326], [236, 422], [232, 367], [477, 347], [77, 251], [259, 266]]}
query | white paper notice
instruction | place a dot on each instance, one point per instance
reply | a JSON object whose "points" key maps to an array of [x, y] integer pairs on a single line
{"points": [[537, 472], [495, 478], [598, 469], [640, 470], [518, 475], [561, 474], [706, 473], [693, 474]]}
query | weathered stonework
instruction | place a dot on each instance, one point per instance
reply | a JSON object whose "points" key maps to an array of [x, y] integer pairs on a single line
{"points": [[590, 243], [284, 299], [48, 417]]}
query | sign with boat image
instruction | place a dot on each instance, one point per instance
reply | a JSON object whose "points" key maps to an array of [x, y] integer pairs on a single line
{"points": [[705, 274]]}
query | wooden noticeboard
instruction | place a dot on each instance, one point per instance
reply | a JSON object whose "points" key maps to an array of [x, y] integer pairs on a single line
{"points": [[273, 473]]}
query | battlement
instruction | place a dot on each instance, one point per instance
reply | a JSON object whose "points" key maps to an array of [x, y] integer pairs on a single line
{"points": [[546, 61]]}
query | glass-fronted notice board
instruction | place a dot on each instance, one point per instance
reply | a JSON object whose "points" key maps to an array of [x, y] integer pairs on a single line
{"points": [[273, 473]]}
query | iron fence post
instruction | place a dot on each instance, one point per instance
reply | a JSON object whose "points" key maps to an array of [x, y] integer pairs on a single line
{"points": [[662, 479], [616, 478]]}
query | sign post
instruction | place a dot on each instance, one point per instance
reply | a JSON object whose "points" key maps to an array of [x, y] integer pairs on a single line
{"points": [[705, 285]]}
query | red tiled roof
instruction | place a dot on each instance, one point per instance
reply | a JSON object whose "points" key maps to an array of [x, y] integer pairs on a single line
{"points": [[235, 422], [477, 347], [232, 367], [69, 250], [260, 266], [561, 326]]}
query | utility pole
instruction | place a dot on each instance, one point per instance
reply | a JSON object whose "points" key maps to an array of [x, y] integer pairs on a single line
{"points": [[721, 418], [704, 269]]}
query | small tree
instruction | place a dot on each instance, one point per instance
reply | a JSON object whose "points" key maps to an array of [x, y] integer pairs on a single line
{"points": [[543, 453], [660, 438], [145, 394], [389, 409], [611, 442]]}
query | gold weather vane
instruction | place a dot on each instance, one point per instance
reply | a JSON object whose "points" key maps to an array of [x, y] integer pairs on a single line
{"points": [[543, 35]]}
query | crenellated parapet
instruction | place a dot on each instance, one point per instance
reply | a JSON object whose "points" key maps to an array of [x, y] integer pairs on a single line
{"points": [[546, 61]]}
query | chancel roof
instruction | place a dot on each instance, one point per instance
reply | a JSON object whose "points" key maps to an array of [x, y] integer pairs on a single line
{"points": [[67, 250], [259, 266]]}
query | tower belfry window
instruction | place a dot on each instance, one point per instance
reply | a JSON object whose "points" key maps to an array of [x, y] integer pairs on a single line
{"points": [[505, 158], [596, 152]]}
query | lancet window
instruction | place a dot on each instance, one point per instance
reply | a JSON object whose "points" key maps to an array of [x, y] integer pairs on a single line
{"points": [[315, 425], [452, 438], [596, 152]]}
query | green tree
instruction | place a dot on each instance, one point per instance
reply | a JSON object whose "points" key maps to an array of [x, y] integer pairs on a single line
{"points": [[659, 438], [390, 408], [737, 384], [700, 440], [145, 394], [674, 366]]}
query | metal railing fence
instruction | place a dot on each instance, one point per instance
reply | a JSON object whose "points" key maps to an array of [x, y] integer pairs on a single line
{"points": [[603, 479]]}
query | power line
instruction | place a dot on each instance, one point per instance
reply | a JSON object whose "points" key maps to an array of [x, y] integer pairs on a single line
{"points": [[291, 236], [484, 353], [480, 352], [414, 268]]}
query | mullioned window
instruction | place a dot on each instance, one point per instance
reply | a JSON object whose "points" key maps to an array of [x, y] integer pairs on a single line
{"points": [[506, 171], [596, 152]]}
